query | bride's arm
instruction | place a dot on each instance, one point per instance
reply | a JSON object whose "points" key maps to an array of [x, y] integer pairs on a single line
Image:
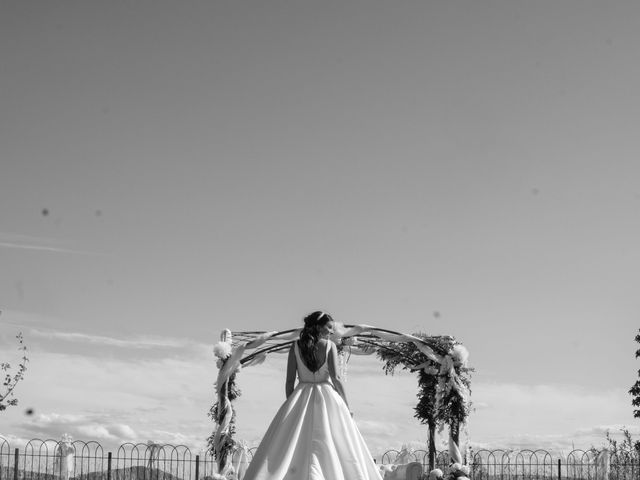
{"points": [[291, 372], [333, 372]]}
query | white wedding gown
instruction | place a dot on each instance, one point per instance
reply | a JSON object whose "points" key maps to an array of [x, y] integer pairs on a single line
{"points": [[313, 437]]}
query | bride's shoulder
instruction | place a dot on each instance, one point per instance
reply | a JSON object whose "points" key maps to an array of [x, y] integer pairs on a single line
{"points": [[330, 344]]}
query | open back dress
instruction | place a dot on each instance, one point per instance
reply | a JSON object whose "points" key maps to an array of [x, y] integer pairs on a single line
{"points": [[313, 436]]}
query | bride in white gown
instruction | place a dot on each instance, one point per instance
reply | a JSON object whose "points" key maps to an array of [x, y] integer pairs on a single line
{"points": [[313, 435]]}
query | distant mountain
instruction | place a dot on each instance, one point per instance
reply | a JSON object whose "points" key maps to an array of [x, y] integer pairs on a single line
{"points": [[6, 473], [128, 473]]}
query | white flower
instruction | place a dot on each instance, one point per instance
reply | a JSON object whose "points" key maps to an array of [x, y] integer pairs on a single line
{"points": [[222, 350], [465, 469], [385, 468], [455, 467], [460, 355], [436, 473]]}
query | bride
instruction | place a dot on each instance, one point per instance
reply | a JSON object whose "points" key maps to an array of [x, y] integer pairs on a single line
{"points": [[313, 435]]}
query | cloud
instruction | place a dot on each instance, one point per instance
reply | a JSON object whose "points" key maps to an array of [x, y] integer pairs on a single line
{"points": [[139, 342], [553, 417], [86, 345], [124, 431], [115, 400], [97, 427], [99, 432], [58, 419], [118, 433], [165, 398], [612, 429], [106, 428], [14, 441]]}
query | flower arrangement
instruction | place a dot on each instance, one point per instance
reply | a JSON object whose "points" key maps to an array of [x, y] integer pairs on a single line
{"points": [[458, 472], [436, 474], [222, 350], [460, 355]]}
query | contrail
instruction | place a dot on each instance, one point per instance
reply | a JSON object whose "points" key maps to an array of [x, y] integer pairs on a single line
{"points": [[46, 248], [144, 343]]}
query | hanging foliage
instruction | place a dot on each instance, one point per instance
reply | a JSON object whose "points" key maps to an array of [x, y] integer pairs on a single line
{"points": [[215, 415], [444, 386]]}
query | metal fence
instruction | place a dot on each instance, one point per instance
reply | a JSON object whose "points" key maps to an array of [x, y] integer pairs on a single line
{"points": [[535, 464], [47, 460]]}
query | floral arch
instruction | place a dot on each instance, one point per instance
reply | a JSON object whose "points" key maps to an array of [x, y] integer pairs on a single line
{"points": [[440, 362]]}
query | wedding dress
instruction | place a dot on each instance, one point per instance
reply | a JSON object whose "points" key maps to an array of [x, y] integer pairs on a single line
{"points": [[313, 437]]}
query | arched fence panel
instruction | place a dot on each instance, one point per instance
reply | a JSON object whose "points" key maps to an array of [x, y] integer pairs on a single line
{"points": [[531, 464], [5, 459], [38, 460], [489, 465], [89, 462], [542, 465], [152, 461], [389, 456], [582, 465]]}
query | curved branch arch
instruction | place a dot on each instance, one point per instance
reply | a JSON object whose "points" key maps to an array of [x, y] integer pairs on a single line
{"points": [[440, 361]]}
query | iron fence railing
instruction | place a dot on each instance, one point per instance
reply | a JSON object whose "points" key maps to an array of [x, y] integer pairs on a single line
{"points": [[533, 464], [58, 460], [541, 464]]}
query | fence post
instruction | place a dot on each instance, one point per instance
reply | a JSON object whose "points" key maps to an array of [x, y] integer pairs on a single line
{"points": [[197, 467], [109, 466], [559, 470], [16, 457]]}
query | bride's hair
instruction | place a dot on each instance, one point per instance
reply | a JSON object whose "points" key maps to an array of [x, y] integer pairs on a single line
{"points": [[309, 336]]}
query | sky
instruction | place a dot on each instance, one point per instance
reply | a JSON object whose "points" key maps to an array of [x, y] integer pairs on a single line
{"points": [[172, 169]]}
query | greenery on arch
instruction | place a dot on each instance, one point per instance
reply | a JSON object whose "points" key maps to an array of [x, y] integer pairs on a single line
{"points": [[439, 401]]}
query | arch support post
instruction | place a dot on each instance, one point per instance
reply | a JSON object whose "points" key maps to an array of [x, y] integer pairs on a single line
{"points": [[454, 443], [432, 444]]}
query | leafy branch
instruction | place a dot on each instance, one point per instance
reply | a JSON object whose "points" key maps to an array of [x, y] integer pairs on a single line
{"points": [[7, 398], [635, 388]]}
